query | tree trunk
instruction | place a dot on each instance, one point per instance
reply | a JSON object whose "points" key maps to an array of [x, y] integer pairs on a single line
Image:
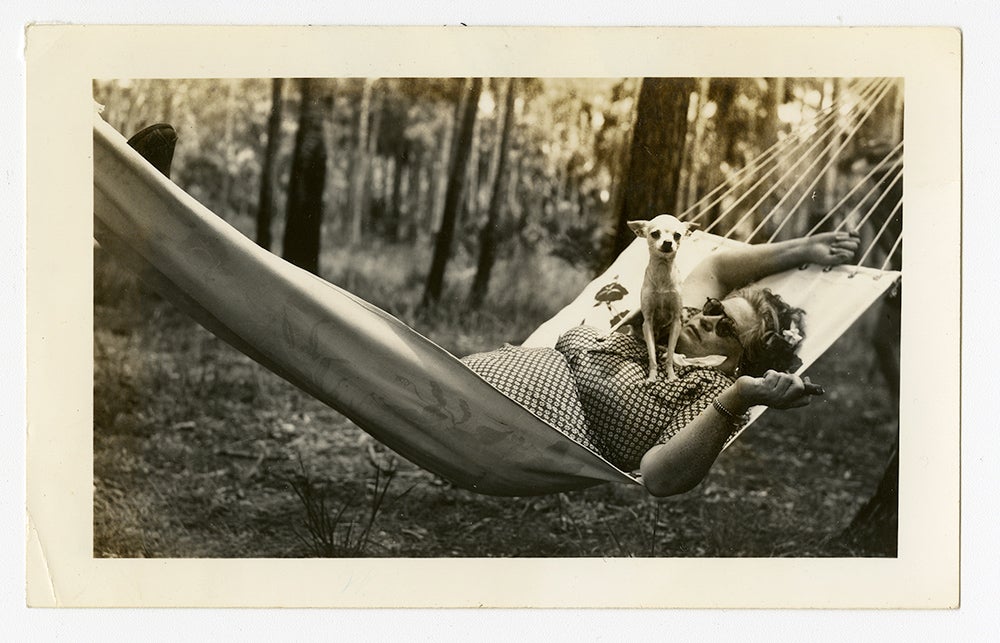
{"points": [[804, 221], [690, 194], [897, 117], [447, 154], [228, 147], [472, 180], [304, 214], [874, 529], [362, 162], [487, 239], [652, 182], [514, 176], [439, 177], [775, 98], [723, 92], [777, 88], [377, 170], [619, 170], [335, 199], [265, 205], [423, 212], [453, 196], [395, 206], [410, 203]]}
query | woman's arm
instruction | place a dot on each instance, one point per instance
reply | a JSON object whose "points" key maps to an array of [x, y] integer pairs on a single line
{"points": [[680, 464], [731, 268]]}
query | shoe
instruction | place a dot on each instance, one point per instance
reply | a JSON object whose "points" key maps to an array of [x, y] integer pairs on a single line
{"points": [[156, 144]]}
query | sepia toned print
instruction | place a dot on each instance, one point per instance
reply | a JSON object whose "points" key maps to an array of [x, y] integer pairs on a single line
{"points": [[244, 409], [198, 450]]}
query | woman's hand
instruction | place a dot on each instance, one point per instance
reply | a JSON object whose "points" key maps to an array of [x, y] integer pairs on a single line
{"points": [[684, 460], [832, 248], [776, 390]]}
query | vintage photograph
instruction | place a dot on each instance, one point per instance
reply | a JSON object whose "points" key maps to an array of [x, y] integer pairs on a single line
{"points": [[497, 317], [538, 317]]}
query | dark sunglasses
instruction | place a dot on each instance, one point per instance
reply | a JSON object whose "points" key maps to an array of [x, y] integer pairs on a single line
{"points": [[726, 326]]}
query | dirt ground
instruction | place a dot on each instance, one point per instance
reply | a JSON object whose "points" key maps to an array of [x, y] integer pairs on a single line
{"points": [[200, 452]]}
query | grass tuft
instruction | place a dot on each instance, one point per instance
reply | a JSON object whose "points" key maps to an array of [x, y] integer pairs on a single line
{"points": [[332, 532]]}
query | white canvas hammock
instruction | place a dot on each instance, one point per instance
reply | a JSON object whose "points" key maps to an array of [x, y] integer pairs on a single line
{"points": [[404, 390]]}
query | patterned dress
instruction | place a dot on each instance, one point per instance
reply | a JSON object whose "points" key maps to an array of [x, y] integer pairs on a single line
{"points": [[593, 388]]}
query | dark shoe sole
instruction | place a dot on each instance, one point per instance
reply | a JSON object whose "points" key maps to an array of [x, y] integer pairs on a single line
{"points": [[156, 144]]}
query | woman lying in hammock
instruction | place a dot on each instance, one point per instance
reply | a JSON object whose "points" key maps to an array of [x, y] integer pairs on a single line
{"points": [[593, 386]]}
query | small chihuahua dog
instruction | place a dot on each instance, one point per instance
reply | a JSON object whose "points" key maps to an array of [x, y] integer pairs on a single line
{"points": [[660, 297]]}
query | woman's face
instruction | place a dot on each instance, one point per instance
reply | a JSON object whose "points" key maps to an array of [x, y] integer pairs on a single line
{"points": [[700, 338]]}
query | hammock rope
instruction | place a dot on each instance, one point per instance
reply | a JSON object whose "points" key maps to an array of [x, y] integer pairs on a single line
{"points": [[868, 110], [833, 158], [857, 186], [834, 140], [881, 231], [799, 158], [801, 138], [897, 177], [797, 138], [892, 252]]}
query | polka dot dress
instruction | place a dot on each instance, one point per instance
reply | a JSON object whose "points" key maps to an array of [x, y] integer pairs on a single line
{"points": [[593, 388], [540, 380], [627, 415]]}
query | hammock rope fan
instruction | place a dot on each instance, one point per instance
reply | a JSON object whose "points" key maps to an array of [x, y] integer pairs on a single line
{"points": [[406, 391]]}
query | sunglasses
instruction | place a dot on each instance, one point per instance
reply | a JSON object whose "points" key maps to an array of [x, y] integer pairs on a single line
{"points": [[726, 326]]}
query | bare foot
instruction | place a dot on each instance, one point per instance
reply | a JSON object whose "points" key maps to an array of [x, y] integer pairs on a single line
{"points": [[832, 248]]}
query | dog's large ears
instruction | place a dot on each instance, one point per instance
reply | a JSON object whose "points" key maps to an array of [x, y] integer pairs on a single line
{"points": [[638, 227]]}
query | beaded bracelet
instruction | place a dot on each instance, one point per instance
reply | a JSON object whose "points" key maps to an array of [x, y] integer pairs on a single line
{"points": [[729, 415]]}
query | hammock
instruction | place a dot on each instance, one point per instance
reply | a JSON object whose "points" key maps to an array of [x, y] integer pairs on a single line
{"points": [[398, 386]]}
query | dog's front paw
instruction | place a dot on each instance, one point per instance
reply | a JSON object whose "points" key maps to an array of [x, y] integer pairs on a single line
{"points": [[671, 375]]}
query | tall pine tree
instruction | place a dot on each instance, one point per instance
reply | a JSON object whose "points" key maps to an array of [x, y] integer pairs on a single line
{"points": [[265, 204], [453, 195], [304, 214], [487, 235], [652, 180]]}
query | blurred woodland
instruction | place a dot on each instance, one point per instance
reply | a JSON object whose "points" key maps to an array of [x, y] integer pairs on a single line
{"points": [[473, 209], [496, 165]]}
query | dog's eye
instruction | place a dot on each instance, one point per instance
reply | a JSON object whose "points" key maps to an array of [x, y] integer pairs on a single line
{"points": [[655, 234], [677, 236]]}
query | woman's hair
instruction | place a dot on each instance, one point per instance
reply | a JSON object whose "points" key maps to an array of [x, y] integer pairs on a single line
{"points": [[773, 342]]}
